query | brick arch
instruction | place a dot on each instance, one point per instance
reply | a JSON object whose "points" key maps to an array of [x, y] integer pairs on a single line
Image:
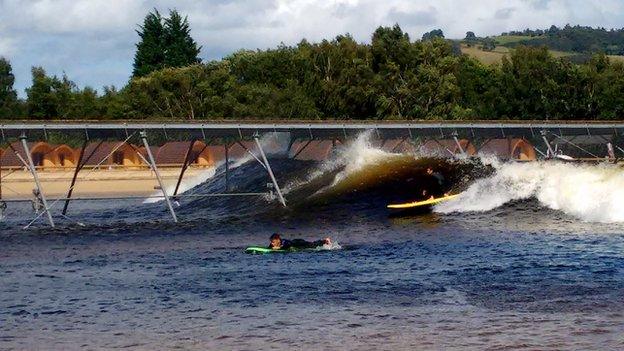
{"points": [[174, 153], [65, 156], [124, 156], [515, 149], [523, 150], [466, 145], [43, 155], [202, 155]]}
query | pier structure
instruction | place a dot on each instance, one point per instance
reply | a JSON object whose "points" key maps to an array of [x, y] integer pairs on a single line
{"points": [[154, 147]]}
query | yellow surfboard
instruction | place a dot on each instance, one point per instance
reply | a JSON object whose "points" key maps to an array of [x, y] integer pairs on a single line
{"points": [[421, 203]]}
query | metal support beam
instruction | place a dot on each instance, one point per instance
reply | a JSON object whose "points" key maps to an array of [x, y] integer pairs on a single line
{"points": [[461, 149], [150, 158], [251, 153], [187, 162], [301, 149], [33, 170], [227, 168], [270, 171], [79, 165], [549, 153]]}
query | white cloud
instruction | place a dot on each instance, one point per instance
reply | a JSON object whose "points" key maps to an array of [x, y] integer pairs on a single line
{"points": [[67, 16], [98, 36], [7, 46]]}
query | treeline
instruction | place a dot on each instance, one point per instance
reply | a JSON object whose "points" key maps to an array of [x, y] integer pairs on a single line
{"points": [[391, 78], [578, 39]]}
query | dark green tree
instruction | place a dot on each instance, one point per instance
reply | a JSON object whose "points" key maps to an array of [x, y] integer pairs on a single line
{"points": [[8, 95], [54, 98], [180, 48], [164, 42], [390, 46], [488, 44], [151, 49], [42, 102], [436, 33], [470, 38]]}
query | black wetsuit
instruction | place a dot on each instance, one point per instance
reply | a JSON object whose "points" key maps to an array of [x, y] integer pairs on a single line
{"points": [[438, 184], [299, 244]]}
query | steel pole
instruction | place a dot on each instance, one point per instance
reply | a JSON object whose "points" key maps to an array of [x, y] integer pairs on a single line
{"points": [[150, 157], [550, 152], [31, 165], [461, 149], [270, 171]]}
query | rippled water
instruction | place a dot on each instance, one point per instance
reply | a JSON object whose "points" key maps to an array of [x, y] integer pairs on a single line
{"points": [[520, 276]]}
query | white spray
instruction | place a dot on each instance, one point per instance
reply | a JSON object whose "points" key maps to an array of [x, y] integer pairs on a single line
{"points": [[589, 192], [351, 158]]}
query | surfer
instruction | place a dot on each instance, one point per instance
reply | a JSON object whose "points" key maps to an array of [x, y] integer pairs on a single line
{"points": [[277, 243], [436, 186]]}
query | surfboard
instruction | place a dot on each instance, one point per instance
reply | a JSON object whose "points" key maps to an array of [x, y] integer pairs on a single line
{"points": [[421, 203], [266, 250], [262, 250]]}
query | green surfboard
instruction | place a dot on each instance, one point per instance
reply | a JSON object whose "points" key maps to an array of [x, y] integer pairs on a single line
{"points": [[265, 250]]}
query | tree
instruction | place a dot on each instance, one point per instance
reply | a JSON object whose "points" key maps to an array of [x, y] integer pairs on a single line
{"points": [[488, 44], [42, 102], [151, 49], [8, 95], [164, 42], [436, 33], [390, 45], [54, 98], [470, 38], [180, 49]]}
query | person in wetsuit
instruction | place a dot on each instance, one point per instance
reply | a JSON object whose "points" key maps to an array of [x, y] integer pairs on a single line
{"points": [[277, 243], [436, 185]]}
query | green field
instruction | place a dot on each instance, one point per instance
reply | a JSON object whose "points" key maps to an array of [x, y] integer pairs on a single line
{"points": [[508, 39], [495, 56]]}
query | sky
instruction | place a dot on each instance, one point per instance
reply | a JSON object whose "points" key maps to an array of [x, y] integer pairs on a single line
{"points": [[93, 41]]}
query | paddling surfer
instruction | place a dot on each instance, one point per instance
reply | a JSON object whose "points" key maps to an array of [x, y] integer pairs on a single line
{"points": [[277, 243]]}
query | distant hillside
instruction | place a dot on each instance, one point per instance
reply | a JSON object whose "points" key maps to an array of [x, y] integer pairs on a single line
{"points": [[578, 39], [576, 43]]}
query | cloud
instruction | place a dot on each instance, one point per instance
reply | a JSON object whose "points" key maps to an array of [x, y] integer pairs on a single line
{"points": [[414, 18], [92, 41], [540, 4], [505, 13]]}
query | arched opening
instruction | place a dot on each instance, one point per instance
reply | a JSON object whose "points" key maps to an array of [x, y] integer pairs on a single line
{"points": [[124, 156], [201, 155], [43, 155], [466, 145], [174, 154], [515, 149], [523, 151], [66, 156]]}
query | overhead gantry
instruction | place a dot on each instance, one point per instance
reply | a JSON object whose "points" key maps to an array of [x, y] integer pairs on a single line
{"points": [[313, 138]]}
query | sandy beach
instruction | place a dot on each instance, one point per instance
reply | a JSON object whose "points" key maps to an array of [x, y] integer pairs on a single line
{"points": [[19, 184]]}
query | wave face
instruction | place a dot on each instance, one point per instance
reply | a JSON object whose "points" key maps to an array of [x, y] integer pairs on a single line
{"points": [[362, 178], [593, 193]]}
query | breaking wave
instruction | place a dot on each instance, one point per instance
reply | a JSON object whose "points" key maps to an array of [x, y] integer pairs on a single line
{"points": [[593, 193], [366, 175]]}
